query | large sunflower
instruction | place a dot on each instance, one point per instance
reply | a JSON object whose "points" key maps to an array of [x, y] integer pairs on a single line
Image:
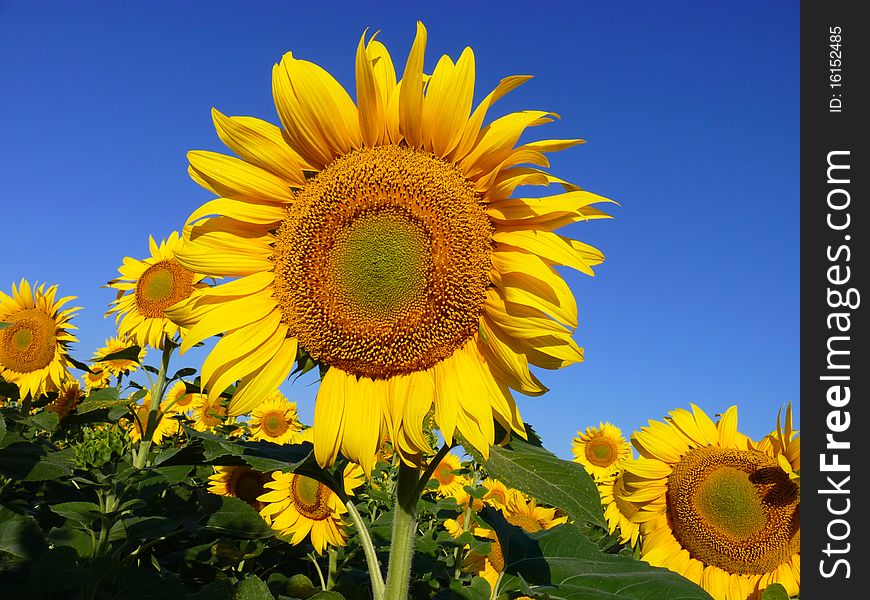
{"points": [[713, 506], [146, 288], [382, 237], [34, 338]]}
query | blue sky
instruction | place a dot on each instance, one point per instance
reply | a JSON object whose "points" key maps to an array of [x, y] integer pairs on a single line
{"points": [[690, 111]]}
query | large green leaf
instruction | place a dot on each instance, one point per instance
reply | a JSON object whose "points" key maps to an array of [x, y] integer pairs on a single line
{"points": [[237, 518], [20, 537], [544, 476], [101, 399], [775, 592], [565, 564], [261, 456], [30, 461]]}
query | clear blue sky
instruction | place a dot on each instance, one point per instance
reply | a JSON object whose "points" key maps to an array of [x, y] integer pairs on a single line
{"points": [[690, 112]]}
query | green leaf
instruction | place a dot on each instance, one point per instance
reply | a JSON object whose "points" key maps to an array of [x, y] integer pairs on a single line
{"points": [[220, 589], [76, 539], [2, 428], [547, 478], [252, 588], [142, 584], [46, 420], [326, 595], [131, 353], [20, 536], [58, 570], [80, 512], [563, 563], [28, 461], [478, 590], [237, 518], [102, 399], [774, 591], [260, 456]]}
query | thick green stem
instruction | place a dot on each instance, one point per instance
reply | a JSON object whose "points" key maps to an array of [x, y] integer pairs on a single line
{"points": [[404, 533], [141, 458], [369, 550]]}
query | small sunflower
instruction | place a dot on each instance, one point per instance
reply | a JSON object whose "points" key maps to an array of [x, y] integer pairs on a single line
{"points": [[298, 507], [147, 288], [530, 517], [275, 420], [209, 415], [97, 378], [451, 483], [713, 506], [383, 237], [35, 339], [179, 401], [68, 397], [617, 510], [600, 449], [240, 482], [497, 493], [166, 425], [118, 366], [353, 477]]}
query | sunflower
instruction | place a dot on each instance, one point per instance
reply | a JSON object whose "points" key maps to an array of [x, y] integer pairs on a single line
{"points": [[117, 366], [68, 396], [209, 415], [714, 507], [530, 517], [382, 237], [785, 443], [166, 425], [34, 339], [617, 510], [497, 493], [600, 449], [299, 506], [239, 482], [451, 483], [146, 288], [275, 420], [97, 378], [179, 401]]}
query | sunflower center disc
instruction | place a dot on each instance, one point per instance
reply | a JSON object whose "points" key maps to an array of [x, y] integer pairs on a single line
{"points": [[735, 509], [309, 498], [444, 474], [29, 342], [382, 263], [162, 285], [601, 452], [274, 424]]}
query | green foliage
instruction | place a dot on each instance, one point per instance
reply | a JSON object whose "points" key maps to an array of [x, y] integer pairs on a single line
{"points": [[774, 592]]}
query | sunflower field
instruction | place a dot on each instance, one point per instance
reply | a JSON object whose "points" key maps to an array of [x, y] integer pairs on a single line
{"points": [[390, 245]]}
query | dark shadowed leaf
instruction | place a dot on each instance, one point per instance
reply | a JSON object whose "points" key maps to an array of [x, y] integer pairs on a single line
{"points": [[774, 592], [237, 518]]}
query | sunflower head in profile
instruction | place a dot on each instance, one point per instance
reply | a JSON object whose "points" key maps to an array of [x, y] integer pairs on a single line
{"points": [[35, 338], [68, 397], [713, 506], [243, 483], [618, 511], [299, 507], [600, 450], [167, 426], [385, 237], [276, 420], [146, 288], [118, 366]]}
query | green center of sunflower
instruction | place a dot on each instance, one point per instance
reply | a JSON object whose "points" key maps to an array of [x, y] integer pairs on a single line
{"points": [[213, 414], [382, 263], [310, 498], [601, 452], [444, 474], [734, 509], [162, 285], [274, 424], [29, 342]]}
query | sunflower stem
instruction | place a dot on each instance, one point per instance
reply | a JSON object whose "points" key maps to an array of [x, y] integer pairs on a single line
{"points": [[369, 550], [157, 388], [404, 533]]}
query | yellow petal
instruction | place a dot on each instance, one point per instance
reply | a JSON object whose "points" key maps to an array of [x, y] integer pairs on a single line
{"points": [[411, 92], [262, 144], [256, 386], [447, 105], [372, 108], [329, 416], [547, 245], [234, 178], [727, 428], [362, 408], [251, 212]]}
